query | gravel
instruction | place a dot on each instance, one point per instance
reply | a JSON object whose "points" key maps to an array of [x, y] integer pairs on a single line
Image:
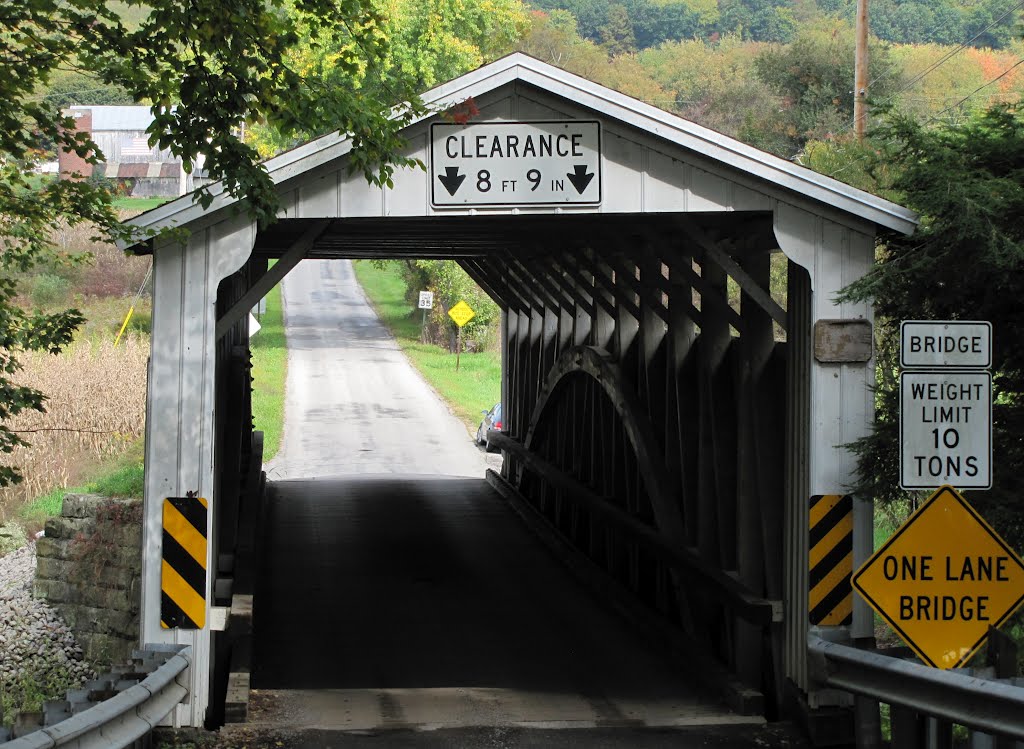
{"points": [[35, 643]]}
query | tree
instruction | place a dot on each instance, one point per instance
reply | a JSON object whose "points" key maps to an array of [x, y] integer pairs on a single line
{"points": [[760, 20], [966, 261], [553, 38], [814, 77], [993, 22], [716, 85], [617, 36], [429, 42], [590, 15], [433, 41], [655, 22], [207, 67]]}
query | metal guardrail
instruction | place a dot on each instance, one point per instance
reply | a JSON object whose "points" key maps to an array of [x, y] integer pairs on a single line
{"points": [[995, 707], [121, 720]]}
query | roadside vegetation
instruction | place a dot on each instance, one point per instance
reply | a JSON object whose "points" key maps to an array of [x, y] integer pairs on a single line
{"points": [[90, 435], [269, 371], [476, 386]]}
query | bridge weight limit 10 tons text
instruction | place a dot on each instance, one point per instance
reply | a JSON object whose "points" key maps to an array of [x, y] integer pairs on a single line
{"points": [[945, 404]]}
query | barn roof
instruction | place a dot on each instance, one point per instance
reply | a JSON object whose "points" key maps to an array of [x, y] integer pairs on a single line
{"points": [[520, 68]]}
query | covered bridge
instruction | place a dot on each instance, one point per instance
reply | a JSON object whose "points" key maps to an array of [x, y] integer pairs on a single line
{"points": [[679, 383]]}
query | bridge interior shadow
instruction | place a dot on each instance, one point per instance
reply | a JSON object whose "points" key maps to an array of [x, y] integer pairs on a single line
{"points": [[429, 582]]}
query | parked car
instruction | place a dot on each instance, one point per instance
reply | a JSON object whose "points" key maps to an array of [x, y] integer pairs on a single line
{"points": [[492, 420]]}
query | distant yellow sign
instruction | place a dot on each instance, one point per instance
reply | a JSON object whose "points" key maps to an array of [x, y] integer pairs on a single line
{"points": [[943, 579], [461, 313]]}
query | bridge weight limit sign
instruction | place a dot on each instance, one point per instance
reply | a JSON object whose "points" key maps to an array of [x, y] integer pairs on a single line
{"points": [[945, 404], [945, 577]]}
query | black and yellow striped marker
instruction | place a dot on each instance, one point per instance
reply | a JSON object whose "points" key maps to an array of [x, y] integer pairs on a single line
{"points": [[831, 543], [183, 576]]}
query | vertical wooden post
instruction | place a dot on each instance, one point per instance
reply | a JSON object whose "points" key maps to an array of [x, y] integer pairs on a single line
{"points": [[860, 75]]}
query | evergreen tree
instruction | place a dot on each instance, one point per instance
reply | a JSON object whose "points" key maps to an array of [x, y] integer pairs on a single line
{"points": [[966, 261], [617, 34]]}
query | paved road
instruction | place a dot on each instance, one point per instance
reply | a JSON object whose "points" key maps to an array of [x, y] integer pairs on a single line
{"points": [[354, 404], [402, 603]]}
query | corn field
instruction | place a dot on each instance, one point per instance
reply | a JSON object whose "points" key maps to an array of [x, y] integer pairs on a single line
{"points": [[95, 409]]}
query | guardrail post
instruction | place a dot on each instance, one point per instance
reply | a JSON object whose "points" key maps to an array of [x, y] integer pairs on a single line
{"points": [[867, 723], [908, 728], [939, 734]]}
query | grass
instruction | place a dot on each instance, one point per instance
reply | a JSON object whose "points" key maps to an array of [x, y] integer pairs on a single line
{"points": [[122, 477], [269, 368], [138, 205], [477, 384]]}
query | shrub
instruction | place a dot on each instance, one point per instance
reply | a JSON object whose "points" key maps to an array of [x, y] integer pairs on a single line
{"points": [[48, 289]]}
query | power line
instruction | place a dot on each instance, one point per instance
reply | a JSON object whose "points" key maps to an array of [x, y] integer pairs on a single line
{"points": [[979, 88], [942, 60]]}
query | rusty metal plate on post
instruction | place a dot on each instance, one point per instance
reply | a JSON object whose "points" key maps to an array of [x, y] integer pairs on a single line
{"points": [[840, 341]]}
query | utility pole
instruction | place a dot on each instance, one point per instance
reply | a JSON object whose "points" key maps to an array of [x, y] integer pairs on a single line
{"points": [[860, 74]]}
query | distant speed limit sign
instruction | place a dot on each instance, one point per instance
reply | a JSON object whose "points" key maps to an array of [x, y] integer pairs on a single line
{"points": [[426, 300]]}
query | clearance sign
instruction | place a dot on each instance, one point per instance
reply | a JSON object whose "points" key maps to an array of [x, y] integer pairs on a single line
{"points": [[943, 579], [544, 162]]}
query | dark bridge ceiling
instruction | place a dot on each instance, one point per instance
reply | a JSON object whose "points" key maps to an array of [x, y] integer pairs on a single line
{"points": [[522, 235]]}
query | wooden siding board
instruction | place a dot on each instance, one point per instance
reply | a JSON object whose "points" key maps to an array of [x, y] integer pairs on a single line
{"points": [[622, 174], [411, 193], [708, 192], [357, 199], [318, 198]]}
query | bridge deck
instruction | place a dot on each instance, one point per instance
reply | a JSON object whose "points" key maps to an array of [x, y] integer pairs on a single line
{"points": [[424, 603]]}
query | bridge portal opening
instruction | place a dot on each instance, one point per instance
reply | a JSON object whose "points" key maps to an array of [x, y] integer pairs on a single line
{"points": [[645, 394]]}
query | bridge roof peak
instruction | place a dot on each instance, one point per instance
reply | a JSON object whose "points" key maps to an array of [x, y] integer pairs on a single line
{"points": [[765, 172]]}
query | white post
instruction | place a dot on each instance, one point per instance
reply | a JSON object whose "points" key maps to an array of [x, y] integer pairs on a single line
{"points": [[180, 419], [841, 411]]}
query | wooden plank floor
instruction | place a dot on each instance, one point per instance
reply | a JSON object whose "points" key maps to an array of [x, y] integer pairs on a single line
{"points": [[425, 603]]}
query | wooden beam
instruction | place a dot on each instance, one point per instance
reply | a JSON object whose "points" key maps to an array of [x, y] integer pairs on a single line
{"points": [[585, 286], [528, 281], [271, 278], [649, 294], [708, 296], [721, 586], [578, 271], [750, 287], [499, 282], [604, 281], [481, 280], [544, 277], [568, 288]]}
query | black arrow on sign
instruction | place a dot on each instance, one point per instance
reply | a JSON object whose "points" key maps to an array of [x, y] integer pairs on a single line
{"points": [[580, 179], [451, 179]]}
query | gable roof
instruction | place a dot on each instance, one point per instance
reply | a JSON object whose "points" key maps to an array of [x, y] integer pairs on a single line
{"points": [[603, 101]]}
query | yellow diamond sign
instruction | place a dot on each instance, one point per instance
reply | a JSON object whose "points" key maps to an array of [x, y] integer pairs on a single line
{"points": [[943, 579], [461, 313]]}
